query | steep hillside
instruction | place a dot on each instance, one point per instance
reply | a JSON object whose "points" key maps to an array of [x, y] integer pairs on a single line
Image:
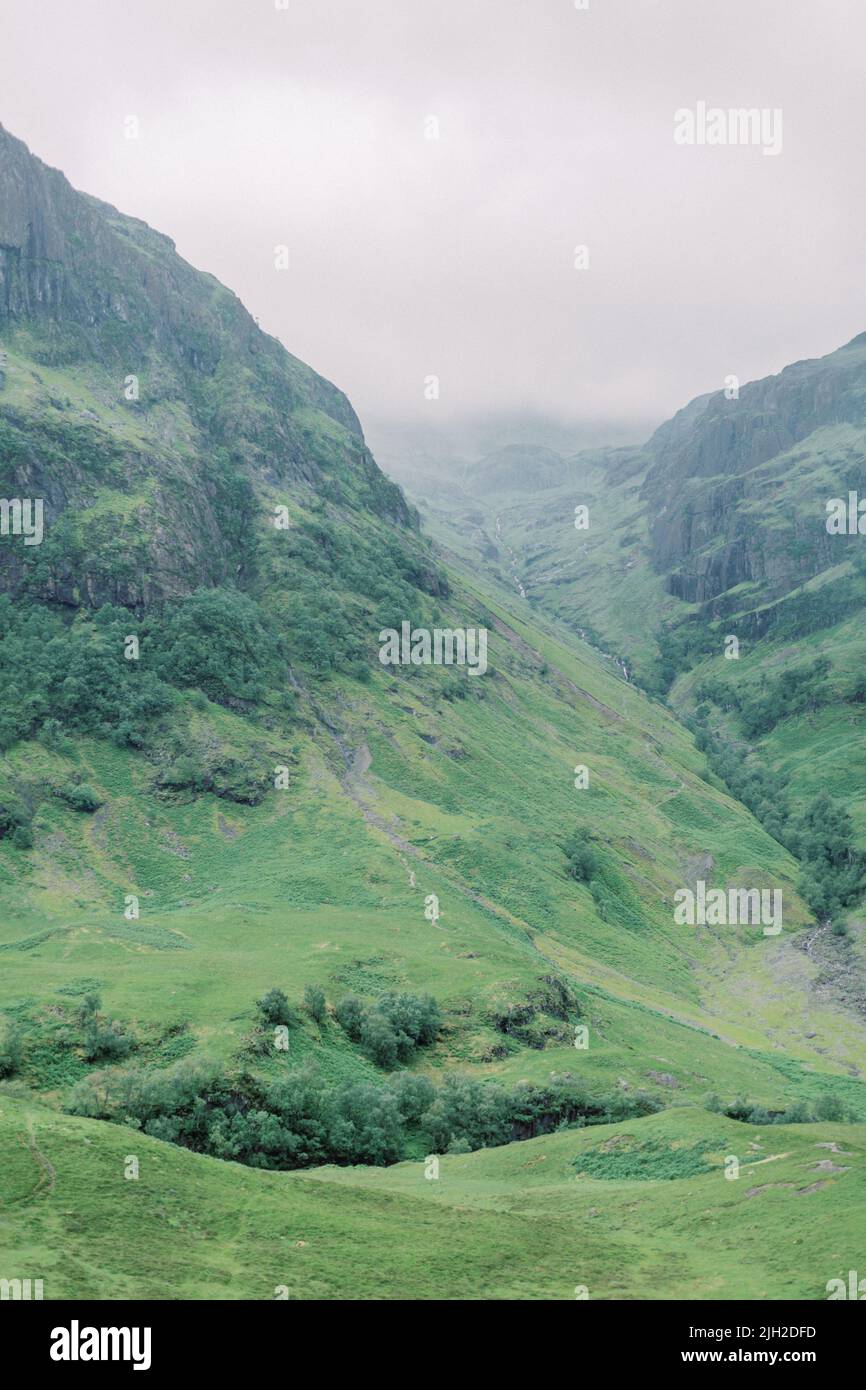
{"points": [[730, 523], [142, 403], [212, 789]]}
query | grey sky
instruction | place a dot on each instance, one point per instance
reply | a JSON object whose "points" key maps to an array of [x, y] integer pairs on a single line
{"points": [[455, 257]]}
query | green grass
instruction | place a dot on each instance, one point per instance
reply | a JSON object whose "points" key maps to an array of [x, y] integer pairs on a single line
{"points": [[525, 1222]]}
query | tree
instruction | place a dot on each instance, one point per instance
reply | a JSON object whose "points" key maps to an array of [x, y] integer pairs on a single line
{"points": [[314, 1002], [275, 1008], [10, 1048], [581, 857], [379, 1039], [366, 1125], [414, 1094], [829, 1107], [350, 1016]]}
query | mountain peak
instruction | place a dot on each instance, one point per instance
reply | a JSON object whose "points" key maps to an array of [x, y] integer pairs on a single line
{"points": [[127, 368]]}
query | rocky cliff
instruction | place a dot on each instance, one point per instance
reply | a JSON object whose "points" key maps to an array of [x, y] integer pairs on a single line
{"points": [[736, 488], [142, 403]]}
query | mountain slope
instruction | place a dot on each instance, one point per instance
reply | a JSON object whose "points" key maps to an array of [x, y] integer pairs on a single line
{"points": [[245, 798]]}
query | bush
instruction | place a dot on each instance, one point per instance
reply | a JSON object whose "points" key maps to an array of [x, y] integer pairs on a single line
{"points": [[314, 1002], [10, 1049], [379, 1040], [350, 1016], [81, 797], [581, 858], [106, 1041], [391, 1029], [22, 837], [829, 1107], [274, 1007]]}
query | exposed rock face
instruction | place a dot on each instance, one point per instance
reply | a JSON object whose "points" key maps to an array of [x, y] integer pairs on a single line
{"points": [[121, 290], [92, 298], [723, 506]]}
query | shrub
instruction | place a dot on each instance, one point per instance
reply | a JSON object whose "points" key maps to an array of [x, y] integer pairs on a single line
{"points": [[314, 1002], [106, 1041], [10, 1049], [829, 1107], [350, 1016], [81, 797], [274, 1007], [581, 858]]}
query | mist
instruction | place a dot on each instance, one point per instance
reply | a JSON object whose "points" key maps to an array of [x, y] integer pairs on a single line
{"points": [[434, 170]]}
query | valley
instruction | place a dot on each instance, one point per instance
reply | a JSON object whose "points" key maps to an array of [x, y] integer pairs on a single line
{"points": [[377, 918]]}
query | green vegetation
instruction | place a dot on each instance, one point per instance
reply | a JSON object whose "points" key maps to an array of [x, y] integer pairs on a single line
{"points": [[270, 903], [391, 1029], [821, 837], [300, 1119]]}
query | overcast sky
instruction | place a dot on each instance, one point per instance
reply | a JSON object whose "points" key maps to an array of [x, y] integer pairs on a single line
{"points": [[409, 256]]}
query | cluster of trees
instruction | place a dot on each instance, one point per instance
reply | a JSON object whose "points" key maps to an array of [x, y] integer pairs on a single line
{"points": [[86, 1031], [104, 1039], [57, 675], [680, 648], [334, 577], [72, 676], [301, 1120], [822, 837], [339, 587], [757, 786], [274, 1007], [833, 868], [799, 1112], [799, 690], [218, 641], [390, 1030], [393, 1028]]}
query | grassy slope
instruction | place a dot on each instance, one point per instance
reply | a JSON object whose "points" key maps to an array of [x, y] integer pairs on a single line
{"points": [[471, 798], [395, 793], [523, 1222]]}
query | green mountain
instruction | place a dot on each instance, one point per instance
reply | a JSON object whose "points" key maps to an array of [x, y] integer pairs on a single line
{"points": [[724, 525], [213, 793]]}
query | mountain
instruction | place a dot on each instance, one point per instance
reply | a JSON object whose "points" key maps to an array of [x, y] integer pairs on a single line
{"points": [[144, 405], [719, 569], [526, 466], [736, 488], [269, 903]]}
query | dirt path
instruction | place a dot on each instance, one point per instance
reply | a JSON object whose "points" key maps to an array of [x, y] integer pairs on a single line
{"points": [[47, 1172]]}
